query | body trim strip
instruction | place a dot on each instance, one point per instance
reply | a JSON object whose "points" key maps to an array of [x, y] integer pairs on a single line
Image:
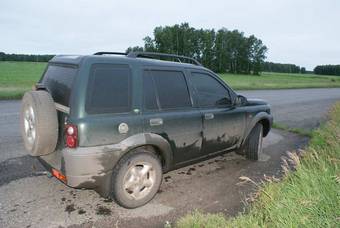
{"points": [[62, 108]]}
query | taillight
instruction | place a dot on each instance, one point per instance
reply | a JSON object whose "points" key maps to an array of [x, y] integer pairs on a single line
{"points": [[71, 133]]}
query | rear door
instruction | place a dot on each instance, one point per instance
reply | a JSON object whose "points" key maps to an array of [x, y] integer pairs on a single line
{"points": [[223, 124], [109, 106], [169, 112]]}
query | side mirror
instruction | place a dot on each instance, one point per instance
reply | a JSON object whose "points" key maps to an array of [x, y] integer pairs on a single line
{"points": [[240, 100]]}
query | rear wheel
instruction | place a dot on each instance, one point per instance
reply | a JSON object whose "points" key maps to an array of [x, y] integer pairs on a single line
{"points": [[253, 145], [136, 178]]}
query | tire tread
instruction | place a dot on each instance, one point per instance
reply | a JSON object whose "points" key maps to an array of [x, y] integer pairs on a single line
{"points": [[252, 143]]}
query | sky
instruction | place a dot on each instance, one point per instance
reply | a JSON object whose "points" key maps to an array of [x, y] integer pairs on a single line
{"points": [[302, 32]]}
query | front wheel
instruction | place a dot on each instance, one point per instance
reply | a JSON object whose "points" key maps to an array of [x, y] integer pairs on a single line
{"points": [[136, 178], [253, 145]]}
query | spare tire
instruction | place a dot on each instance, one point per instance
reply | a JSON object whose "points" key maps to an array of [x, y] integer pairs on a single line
{"points": [[39, 123]]}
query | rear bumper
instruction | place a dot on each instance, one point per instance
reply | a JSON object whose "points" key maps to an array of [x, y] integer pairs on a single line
{"points": [[87, 167], [90, 167]]}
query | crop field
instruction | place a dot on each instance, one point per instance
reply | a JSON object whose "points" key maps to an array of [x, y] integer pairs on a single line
{"points": [[18, 77]]}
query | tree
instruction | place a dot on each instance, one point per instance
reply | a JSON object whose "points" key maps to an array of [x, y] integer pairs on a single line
{"points": [[258, 55], [282, 67], [22, 57], [134, 49], [206, 45], [2, 56], [221, 51], [149, 44], [222, 54], [327, 70]]}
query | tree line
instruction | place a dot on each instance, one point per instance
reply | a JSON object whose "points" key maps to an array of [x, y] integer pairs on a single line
{"points": [[327, 70], [222, 50], [283, 68], [23, 57]]}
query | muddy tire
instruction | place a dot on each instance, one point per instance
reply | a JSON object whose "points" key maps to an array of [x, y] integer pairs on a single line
{"points": [[253, 145], [39, 123], [241, 151], [136, 178]]}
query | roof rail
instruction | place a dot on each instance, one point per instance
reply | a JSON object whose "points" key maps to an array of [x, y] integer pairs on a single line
{"points": [[109, 53], [152, 55]]}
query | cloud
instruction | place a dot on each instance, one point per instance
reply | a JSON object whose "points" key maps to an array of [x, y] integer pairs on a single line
{"points": [[301, 32]]}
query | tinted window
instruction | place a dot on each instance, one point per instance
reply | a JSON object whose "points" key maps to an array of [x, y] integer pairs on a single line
{"points": [[58, 80], [109, 89], [170, 89], [149, 91], [209, 91]]}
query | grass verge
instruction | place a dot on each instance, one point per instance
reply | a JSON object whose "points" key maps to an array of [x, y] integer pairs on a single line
{"points": [[293, 130], [307, 197], [18, 77]]}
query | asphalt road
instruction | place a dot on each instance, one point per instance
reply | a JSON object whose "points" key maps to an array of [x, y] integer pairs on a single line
{"points": [[298, 108], [28, 198]]}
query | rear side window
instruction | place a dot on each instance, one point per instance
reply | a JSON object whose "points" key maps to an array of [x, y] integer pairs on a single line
{"points": [[109, 89], [149, 91], [58, 79], [210, 92], [165, 90]]}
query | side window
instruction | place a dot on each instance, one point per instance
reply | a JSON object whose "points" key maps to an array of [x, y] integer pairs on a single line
{"points": [[169, 87], [210, 92], [109, 89], [149, 91]]}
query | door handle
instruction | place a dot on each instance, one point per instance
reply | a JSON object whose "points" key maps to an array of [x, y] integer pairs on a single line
{"points": [[208, 116], [156, 122]]}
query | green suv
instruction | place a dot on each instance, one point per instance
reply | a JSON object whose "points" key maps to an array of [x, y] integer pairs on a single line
{"points": [[115, 122]]}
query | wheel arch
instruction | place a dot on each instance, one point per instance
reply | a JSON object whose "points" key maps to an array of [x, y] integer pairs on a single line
{"points": [[265, 119], [266, 126], [151, 142]]}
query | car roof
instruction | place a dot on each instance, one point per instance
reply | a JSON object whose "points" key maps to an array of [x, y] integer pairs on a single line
{"points": [[77, 59]]}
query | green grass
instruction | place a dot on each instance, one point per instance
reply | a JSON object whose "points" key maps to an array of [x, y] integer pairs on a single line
{"points": [[307, 197], [18, 77], [293, 130]]}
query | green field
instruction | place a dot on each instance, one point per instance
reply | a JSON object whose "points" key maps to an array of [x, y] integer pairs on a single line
{"points": [[18, 77], [280, 81], [306, 197]]}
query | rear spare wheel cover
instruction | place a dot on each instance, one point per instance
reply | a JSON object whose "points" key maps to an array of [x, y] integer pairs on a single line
{"points": [[39, 123]]}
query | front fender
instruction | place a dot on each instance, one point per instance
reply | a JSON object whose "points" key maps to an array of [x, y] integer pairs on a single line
{"points": [[261, 116]]}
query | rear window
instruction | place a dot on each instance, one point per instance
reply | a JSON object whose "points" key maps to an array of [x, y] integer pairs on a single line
{"points": [[58, 79], [109, 89]]}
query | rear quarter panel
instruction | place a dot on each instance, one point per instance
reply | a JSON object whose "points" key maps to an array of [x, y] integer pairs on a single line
{"points": [[102, 129]]}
